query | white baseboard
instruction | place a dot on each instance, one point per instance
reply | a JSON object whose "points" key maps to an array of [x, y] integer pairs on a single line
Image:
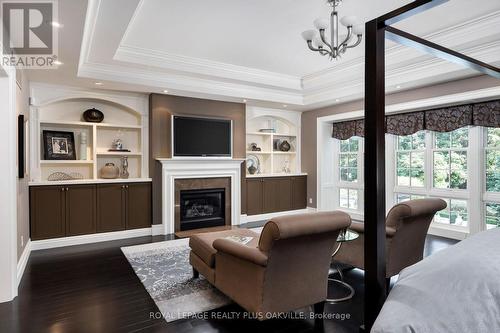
{"points": [[157, 229], [265, 217], [23, 260], [86, 239]]}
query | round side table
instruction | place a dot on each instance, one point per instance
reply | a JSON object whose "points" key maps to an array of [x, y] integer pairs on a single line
{"points": [[345, 235]]}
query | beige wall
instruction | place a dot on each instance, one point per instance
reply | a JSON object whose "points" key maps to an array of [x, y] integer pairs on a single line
{"points": [[23, 228], [161, 107], [309, 117]]}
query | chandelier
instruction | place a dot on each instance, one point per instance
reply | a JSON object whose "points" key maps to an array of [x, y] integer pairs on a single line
{"points": [[335, 47]]}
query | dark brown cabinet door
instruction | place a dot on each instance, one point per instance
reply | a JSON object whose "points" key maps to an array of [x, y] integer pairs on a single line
{"points": [[47, 212], [80, 210], [254, 196], [276, 195], [110, 207], [138, 203], [299, 192]]}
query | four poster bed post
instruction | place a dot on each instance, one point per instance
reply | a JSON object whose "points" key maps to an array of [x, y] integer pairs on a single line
{"points": [[374, 212]]}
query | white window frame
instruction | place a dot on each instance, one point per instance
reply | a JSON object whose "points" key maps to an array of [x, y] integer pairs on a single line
{"points": [[476, 182], [430, 191], [487, 197], [339, 184]]}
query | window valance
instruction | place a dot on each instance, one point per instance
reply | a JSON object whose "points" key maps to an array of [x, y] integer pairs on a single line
{"points": [[445, 119]]}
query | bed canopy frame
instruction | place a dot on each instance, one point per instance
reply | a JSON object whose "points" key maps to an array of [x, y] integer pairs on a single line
{"points": [[377, 31]]}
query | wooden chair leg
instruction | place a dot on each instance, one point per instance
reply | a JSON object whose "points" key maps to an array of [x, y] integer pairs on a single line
{"points": [[196, 274]]}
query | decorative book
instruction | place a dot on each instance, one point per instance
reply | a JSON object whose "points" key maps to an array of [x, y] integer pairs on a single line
{"points": [[240, 239]]}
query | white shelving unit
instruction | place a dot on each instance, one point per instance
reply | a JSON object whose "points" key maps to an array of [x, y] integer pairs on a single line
{"points": [[287, 127], [125, 117]]}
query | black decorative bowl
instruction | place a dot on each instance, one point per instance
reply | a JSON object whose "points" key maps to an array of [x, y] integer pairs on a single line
{"points": [[93, 116]]}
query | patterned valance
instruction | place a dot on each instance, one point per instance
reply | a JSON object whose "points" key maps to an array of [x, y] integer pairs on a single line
{"points": [[347, 129], [401, 124], [445, 119], [486, 114], [448, 119]]}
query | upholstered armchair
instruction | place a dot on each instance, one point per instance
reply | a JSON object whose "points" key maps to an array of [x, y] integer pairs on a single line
{"points": [[406, 227], [288, 269]]}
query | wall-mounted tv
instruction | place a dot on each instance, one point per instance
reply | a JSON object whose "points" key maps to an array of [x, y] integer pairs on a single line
{"points": [[201, 137]]}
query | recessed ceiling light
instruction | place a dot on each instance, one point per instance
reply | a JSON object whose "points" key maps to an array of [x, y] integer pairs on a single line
{"points": [[398, 87], [284, 105], [56, 24], [337, 100], [165, 91], [244, 101], [58, 63], [99, 83]]}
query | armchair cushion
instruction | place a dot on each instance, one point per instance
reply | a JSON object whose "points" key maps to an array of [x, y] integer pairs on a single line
{"points": [[241, 251], [201, 244]]}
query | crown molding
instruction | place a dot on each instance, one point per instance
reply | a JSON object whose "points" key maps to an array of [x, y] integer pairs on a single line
{"points": [[417, 72], [182, 83], [206, 68]]}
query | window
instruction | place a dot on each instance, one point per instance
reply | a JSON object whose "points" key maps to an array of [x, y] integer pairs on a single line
{"points": [[348, 198], [455, 213], [462, 167], [492, 159], [349, 177], [492, 215], [400, 197], [450, 159], [348, 159], [410, 159]]}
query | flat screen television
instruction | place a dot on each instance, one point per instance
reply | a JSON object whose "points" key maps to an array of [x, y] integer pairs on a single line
{"points": [[201, 137]]}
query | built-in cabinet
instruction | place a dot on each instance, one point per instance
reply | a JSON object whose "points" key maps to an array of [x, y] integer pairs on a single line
{"points": [[268, 129], [276, 194], [72, 210]]}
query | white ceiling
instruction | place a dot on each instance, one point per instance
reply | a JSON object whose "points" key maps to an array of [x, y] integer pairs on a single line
{"points": [[236, 49]]}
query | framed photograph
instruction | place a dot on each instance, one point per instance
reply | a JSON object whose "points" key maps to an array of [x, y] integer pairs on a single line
{"points": [[59, 145]]}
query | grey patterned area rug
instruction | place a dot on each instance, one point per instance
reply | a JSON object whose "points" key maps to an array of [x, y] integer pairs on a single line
{"points": [[165, 271]]}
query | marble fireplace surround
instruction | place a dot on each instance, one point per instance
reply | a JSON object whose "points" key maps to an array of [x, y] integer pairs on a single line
{"points": [[198, 168]]}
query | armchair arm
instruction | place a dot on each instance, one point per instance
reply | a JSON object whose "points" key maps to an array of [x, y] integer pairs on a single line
{"points": [[241, 251], [359, 227]]}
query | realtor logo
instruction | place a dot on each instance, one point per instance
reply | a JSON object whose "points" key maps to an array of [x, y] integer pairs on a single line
{"points": [[28, 37]]}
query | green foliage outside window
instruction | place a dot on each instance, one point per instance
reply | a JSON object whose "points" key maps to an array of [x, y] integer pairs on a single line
{"points": [[348, 159], [410, 159], [492, 215], [493, 160], [450, 159]]}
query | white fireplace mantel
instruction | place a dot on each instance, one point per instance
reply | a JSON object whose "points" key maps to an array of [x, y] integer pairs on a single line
{"points": [[185, 168]]}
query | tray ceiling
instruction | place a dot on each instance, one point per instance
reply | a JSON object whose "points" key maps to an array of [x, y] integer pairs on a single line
{"points": [[236, 49]]}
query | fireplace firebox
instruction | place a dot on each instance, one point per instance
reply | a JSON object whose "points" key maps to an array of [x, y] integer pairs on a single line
{"points": [[202, 208]]}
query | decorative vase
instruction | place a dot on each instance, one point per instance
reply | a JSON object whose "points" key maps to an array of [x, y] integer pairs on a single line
{"points": [[83, 146], [285, 146], [110, 171], [93, 116], [252, 170], [124, 174]]}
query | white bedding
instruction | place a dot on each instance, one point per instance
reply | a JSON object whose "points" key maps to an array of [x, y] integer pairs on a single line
{"points": [[455, 290]]}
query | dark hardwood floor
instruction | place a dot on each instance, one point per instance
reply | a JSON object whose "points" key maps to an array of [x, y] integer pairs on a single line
{"points": [[92, 288]]}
